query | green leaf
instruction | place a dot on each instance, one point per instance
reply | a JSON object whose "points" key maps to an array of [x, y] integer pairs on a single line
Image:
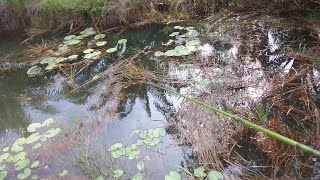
{"points": [[2, 167], [174, 34], [35, 164], [33, 138], [200, 172], [73, 57], [215, 175], [138, 176], [173, 176], [158, 53], [25, 174], [34, 70], [137, 131], [4, 156], [168, 43], [3, 174], [19, 156], [52, 132], [69, 37], [63, 173], [99, 178], [159, 132], [195, 42], [112, 50], [72, 42], [33, 127], [117, 173], [93, 55], [140, 165], [34, 177], [5, 149], [36, 146], [122, 41], [178, 27], [99, 36], [88, 51], [47, 122], [101, 43], [22, 164]]}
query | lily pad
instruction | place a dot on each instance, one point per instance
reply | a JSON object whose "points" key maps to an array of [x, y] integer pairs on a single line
{"points": [[63, 173], [215, 175], [178, 27], [22, 164], [122, 41], [52, 132], [101, 43], [93, 55], [200, 172], [72, 42], [158, 132], [34, 70], [193, 33], [73, 57], [47, 122], [36, 146], [195, 42], [26, 173], [33, 138], [48, 60], [173, 176], [140, 165], [158, 53], [138, 176], [88, 51], [112, 50], [33, 127], [69, 37], [99, 36], [117, 173], [174, 34], [5, 149], [4, 156], [168, 43], [2, 167], [3, 174]]}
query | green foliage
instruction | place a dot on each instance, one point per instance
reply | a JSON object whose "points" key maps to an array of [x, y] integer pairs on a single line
{"points": [[215, 175], [117, 173], [173, 176], [19, 157], [263, 111], [200, 172]]}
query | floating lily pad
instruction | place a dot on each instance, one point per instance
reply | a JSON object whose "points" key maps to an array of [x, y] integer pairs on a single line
{"points": [[200, 172], [69, 37], [4, 156], [159, 132], [63, 173], [73, 57], [112, 50], [78, 37], [47, 122], [52, 132], [174, 34], [3, 174], [36, 146], [101, 43], [2, 167], [33, 138], [140, 165], [99, 36], [115, 150], [195, 42], [48, 60], [122, 41], [5, 149], [87, 32], [93, 55], [178, 27], [50, 66], [168, 43], [33, 127], [88, 51], [193, 33], [23, 163], [19, 156], [158, 53], [72, 42], [215, 175], [190, 28], [34, 70], [117, 173], [138, 176], [170, 53], [173, 176], [26, 173]]}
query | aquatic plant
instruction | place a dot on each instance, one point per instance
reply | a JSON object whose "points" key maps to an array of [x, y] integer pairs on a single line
{"points": [[190, 39], [18, 155], [263, 111]]}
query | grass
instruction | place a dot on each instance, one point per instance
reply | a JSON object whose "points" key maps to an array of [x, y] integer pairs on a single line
{"points": [[262, 111]]}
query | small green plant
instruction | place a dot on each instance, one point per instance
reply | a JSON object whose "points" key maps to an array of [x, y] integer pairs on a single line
{"points": [[263, 111], [199, 173]]}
